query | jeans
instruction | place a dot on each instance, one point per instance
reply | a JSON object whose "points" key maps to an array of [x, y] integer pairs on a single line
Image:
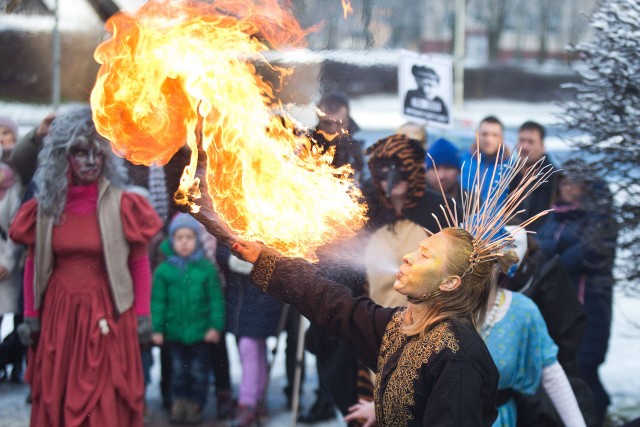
{"points": [[190, 371], [147, 362], [220, 365]]}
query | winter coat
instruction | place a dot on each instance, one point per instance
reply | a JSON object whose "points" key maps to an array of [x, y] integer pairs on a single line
{"points": [[486, 170], [540, 199], [9, 252], [24, 156], [250, 312], [187, 302], [585, 241], [551, 288]]}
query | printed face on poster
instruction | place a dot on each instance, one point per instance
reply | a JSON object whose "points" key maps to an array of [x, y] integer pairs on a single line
{"points": [[426, 89]]}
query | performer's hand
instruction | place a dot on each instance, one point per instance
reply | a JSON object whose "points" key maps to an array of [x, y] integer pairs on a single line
{"points": [[44, 127], [144, 329], [212, 336], [246, 251], [157, 339], [28, 331], [363, 410]]}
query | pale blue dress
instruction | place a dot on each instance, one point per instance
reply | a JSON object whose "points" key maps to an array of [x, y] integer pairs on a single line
{"points": [[521, 347]]}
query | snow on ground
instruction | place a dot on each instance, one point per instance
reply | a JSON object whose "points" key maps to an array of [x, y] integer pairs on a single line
{"points": [[380, 114]]}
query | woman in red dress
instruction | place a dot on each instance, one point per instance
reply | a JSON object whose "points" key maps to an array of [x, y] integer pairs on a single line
{"points": [[87, 281]]}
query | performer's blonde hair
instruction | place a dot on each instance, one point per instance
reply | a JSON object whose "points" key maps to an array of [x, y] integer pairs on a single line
{"points": [[477, 243]]}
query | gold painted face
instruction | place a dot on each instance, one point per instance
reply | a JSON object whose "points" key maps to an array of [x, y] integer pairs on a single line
{"points": [[424, 270]]}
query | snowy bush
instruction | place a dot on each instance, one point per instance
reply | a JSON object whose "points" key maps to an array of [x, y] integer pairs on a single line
{"points": [[605, 104]]}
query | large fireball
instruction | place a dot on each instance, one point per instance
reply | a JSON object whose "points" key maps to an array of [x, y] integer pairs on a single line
{"points": [[181, 72]]}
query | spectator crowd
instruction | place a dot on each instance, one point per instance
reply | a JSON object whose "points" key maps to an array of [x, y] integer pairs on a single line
{"points": [[98, 266]]}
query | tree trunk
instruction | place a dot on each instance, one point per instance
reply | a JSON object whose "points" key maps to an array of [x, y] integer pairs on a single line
{"points": [[105, 9], [367, 13], [494, 43]]}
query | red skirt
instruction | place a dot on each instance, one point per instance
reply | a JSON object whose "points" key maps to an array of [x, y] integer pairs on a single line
{"points": [[82, 374]]}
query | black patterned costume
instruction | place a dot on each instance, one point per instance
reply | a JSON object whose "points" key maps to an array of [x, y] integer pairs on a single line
{"points": [[447, 378]]}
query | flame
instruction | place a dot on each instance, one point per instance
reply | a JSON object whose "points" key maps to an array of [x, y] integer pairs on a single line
{"points": [[346, 8], [177, 72]]}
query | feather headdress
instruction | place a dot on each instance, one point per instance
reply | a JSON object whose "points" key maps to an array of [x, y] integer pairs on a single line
{"points": [[485, 219]]}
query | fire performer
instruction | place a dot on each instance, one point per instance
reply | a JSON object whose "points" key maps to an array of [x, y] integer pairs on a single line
{"points": [[432, 365], [87, 282]]}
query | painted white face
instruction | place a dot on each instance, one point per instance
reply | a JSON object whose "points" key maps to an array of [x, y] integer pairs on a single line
{"points": [[86, 160]]}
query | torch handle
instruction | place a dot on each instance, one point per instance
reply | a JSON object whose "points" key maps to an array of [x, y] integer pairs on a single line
{"points": [[215, 226], [206, 215], [212, 222]]}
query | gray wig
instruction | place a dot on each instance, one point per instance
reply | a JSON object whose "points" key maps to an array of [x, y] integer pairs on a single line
{"points": [[52, 176]]}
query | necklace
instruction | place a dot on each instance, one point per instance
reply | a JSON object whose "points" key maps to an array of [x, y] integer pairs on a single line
{"points": [[489, 321]]}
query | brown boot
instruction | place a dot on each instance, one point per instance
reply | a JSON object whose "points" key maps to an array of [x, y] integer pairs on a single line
{"points": [[194, 413], [178, 411], [246, 416]]}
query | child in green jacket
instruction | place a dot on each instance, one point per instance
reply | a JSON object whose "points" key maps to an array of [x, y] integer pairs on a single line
{"points": [[187, 310]]}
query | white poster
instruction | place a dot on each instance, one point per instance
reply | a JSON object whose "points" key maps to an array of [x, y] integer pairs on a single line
{"points": [[426, 89]]}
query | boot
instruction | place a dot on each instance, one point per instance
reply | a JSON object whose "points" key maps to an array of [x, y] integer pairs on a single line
{"points": [[321, 410], [193, 413], [146, 412], [246, 416], [224, 405], [178, 411]]}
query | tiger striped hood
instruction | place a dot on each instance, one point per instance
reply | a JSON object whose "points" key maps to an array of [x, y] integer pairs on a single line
{"points": [[409, 158]]}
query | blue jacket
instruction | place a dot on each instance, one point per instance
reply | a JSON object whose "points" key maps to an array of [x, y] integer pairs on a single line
{"points": [[585, 240], [486, 169], [250, 312]]}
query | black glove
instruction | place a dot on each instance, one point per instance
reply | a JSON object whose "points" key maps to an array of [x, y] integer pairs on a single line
{"points": [[28, 331], [144, 329]]}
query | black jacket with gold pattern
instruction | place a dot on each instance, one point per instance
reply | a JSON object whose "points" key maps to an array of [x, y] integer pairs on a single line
{"points": [[447, 378]]}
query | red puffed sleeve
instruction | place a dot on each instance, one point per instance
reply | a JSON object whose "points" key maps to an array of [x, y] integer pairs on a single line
{"points": [[140, 223], [23, 231], [23, 227]]}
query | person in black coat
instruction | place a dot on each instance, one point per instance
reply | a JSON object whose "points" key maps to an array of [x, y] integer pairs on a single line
{"points": [[531, 145], [432, 366], [335, 131], [252, 316], [583, 233], [547, 283]]}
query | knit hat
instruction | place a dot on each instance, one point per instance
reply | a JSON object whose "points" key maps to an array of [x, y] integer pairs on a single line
{"points": [[444, 153], [10, 124], [179, 221], [183, 220]]}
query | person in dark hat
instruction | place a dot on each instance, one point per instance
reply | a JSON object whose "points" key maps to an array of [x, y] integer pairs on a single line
{"points": [[422, 102], [446, 158]]}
